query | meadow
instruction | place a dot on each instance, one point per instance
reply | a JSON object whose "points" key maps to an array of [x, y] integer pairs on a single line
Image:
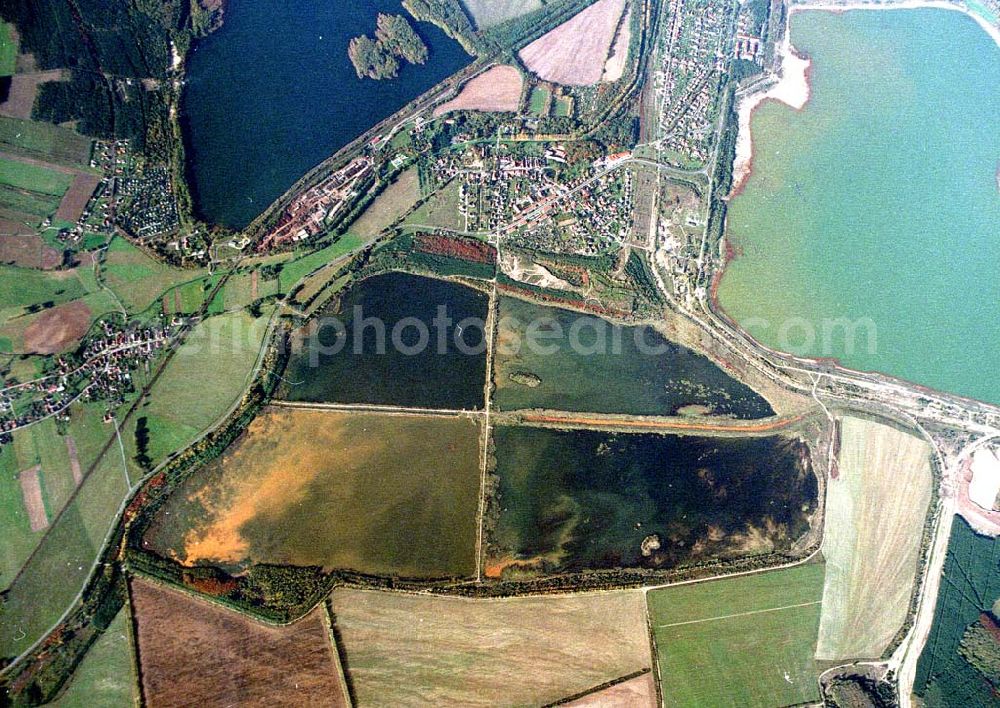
{"points": [[424, 650], [875, 512], [33, 178], [488, 13], [207, 375], [746, 641], [574, 500], [139, 280], [439, 210], [195, 653], [970, 586], [391, 495], [106, 676], [44, 141], [389, 206], [585, 363]]}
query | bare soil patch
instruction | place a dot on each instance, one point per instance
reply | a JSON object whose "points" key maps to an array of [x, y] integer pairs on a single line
{"points": [[27, 250], [419, 650], [76, 197], [640, 691], [575, 52], [496, 89], [614, 68], [74, 460], [54, 330], [31, 493], [23, 89], [194, 653]]}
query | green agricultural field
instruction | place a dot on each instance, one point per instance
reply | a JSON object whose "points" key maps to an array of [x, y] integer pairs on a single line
{"points": [[18, 538], [293, 271], [32, 178], [59, 567], [397, 199], [440, 210], [20, 287], [746, 641], [488, 13], [44, 141], [206, 376], [970, 586], [137, 279], [8, 49], [106, 676], [391, 495], [538, 102]]}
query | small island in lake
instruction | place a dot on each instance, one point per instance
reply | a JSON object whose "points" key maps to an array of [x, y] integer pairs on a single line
{"points": [[394, 39]]}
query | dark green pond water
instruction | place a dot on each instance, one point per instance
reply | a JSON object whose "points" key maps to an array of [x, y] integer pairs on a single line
{"points": [[583, 363], [386, 343], [582, 499], [272, 93]]}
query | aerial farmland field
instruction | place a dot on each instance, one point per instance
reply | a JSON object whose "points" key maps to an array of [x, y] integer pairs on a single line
{"points": [[746, 641], [496, 89], [194, 653], [875, 514], [488, 13], [397, 199], [403, 649], [396, 495], [574, 53]]}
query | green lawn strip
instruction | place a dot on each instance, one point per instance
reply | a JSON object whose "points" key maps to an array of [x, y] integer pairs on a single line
{"points": [[18, 538], [26, 207], [33, 178], [746, 641], [293, 271], [105, 678], [8, 49]]}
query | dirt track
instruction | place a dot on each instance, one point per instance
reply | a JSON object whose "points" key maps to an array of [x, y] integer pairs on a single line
{"points": [[727, 426]]}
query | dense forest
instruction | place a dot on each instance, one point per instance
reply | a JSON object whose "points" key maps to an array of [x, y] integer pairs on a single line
{"points": [[394, 39], [118, 55]]}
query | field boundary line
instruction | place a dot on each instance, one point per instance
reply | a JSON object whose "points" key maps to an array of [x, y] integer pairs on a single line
{"points": [[740, 614]]}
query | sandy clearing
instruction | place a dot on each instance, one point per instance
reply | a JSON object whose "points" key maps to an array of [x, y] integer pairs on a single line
{"points": [[640, 691], [985, 483], [614, 67], [56, 329], [405, 650], [31, 493], [575, 52], [192, 652], [792, 89], [525, 270], [496, 89], [875, 514]]}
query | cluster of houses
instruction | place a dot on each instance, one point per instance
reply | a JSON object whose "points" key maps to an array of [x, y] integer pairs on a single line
{"points": [[592, 219], [101, 371], [312, 210], [687, 82], [144, 203]]}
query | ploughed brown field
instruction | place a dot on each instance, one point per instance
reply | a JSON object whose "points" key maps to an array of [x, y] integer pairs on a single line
{"points": [[27, 250], [574, 53], [193, 653], [77, 196], [496, 89], [56, 329]]}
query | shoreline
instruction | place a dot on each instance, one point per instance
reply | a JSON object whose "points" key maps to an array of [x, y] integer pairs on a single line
{"points": [[793, 87]]}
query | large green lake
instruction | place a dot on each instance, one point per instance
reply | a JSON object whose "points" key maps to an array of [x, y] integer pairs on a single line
{"points": [[878, 204]]}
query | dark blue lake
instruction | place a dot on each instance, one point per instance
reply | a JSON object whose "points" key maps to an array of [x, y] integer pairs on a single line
{"points": [[272, 93]]}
